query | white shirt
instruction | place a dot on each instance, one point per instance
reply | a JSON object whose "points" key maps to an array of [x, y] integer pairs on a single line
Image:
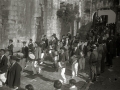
{"points": [[73, 88], [2, 57]]}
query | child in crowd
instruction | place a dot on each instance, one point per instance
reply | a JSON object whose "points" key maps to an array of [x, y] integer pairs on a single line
{"points": [[57, 85], [72, 83], [29, 87]]}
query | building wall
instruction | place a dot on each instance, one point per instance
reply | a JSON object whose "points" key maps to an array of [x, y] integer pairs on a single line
{"points": [[24, 19], [20, 22]]}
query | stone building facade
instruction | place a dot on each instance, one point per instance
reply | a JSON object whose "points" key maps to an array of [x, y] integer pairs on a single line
{"points": [[25, 19], [21, 20]]}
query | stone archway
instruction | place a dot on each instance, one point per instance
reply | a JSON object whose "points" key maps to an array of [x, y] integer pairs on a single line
{"points": [[111, 15]]}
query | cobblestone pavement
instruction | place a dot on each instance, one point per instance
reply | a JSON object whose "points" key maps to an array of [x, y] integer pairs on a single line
{"points": [[109, 80]]}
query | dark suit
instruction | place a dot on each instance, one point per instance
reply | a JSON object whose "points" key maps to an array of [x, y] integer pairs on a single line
{"points": [[85, 50], [43, 46], [25, 51], [46, 42], [110, 51], [93, 64], [90, 43], [77, 51], [62, 59], [10, 48], [3, 64], [13, 75], [31, 48], [114, 45], [103, 58]]}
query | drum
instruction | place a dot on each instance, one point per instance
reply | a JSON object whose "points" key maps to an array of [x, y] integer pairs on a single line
{"points": [[31, 56]]}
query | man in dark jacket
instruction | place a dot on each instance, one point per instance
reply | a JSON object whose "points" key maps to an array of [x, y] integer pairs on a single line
{"points": [[25, 52], [30, 46], [46, 41], [10, 46], [103, 56], [3, 67], [110, 51], [93, 62], [14, 74], [62, 64]]}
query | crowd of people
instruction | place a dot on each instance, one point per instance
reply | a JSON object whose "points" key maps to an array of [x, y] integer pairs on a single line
{"points": [[100, 47]]}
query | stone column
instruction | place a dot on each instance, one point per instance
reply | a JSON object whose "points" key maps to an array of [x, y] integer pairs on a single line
{"points": [[80, 13], [53, 24], [75, 27]]}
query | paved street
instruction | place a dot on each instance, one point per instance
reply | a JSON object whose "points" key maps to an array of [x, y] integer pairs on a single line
{"points": [[110, 80]]}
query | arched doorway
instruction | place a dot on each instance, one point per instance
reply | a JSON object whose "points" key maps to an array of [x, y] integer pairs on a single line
{"points": [[109, 13]]}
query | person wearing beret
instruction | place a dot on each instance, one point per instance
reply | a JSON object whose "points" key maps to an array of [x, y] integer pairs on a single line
{"points": [[3, 67], [14, 74], [10, 46], [62, 64]]}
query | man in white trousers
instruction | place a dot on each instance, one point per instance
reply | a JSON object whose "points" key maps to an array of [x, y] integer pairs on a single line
{"points": [[3, 67], [62, 64], [74, 66]]}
